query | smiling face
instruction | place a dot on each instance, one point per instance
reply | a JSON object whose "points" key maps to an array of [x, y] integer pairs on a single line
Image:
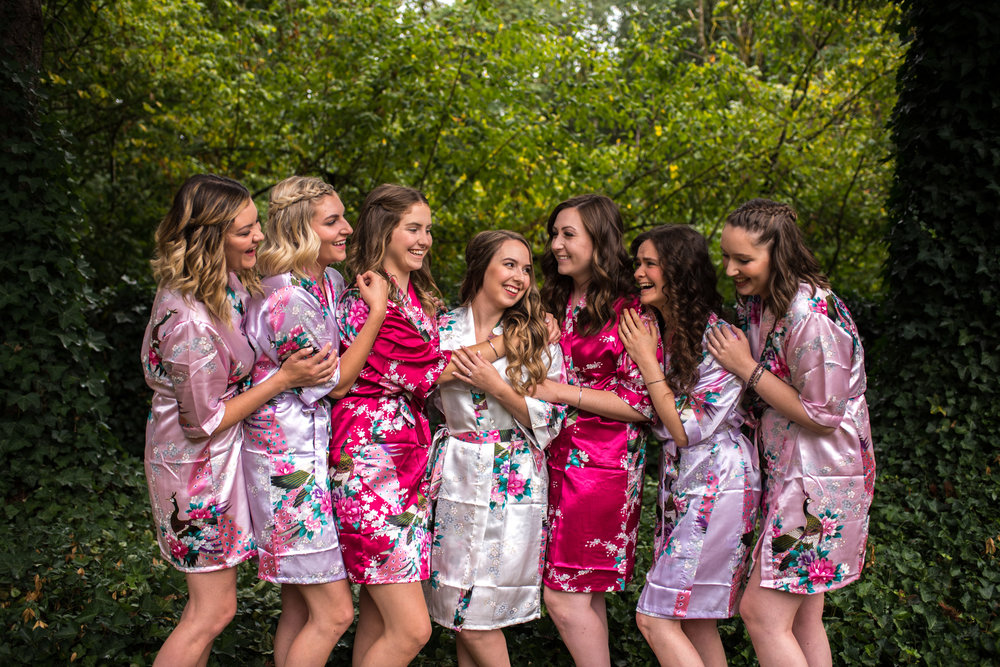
{"points": [[507, 276], [332, 228], [410, 241], [649, 276], [242, 237], [572, 246], [746, 261]]}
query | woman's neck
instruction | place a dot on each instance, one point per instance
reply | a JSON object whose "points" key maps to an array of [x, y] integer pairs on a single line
{"points": [[485, 315], [579, 289]]}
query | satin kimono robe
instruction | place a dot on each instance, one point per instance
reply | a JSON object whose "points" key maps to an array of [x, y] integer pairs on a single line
{"points": [[194, 363], [287, 447], [595, 467], [709, 499], [381, 441], [818, 487], [489, 490]]}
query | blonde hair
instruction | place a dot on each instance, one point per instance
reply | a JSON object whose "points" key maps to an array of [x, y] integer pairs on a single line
{"points": [[381, 213], [525, 336], [190, 242], [290, 244]]}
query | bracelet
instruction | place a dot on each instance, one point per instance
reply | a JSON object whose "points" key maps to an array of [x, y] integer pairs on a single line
{"points": [[579, 398], [490, 341], [663, 379], [755, 377]]}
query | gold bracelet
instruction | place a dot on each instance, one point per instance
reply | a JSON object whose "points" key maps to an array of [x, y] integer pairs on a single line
{"points": [[490, 341], [579, 398], [663, 379]]}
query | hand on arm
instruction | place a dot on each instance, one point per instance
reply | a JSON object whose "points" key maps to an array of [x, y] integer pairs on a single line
{"points": [[473, 370], [490, 350], [603, 403], [731, 348], [304, 368], [374, 291], [640, 341]]}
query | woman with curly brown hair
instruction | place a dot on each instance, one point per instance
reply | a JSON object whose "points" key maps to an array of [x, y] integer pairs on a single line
{"points": [[197, 359], [596, 462], [709, 479]]}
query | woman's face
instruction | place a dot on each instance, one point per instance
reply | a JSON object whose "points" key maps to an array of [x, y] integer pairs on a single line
{"points": [[572, 246], [508, 275], [649, 276], [746, 261], [410, 241], [240, 244], [332, 228]]}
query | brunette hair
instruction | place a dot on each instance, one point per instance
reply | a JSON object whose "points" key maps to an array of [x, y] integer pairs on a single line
{"points": [[290, 244], [689, 285], [791, 262], [190, 253], [381, 213], [525, 336], [611, 276]]}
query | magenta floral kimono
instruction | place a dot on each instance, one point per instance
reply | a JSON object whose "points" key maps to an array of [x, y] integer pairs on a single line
{"points": [[380, 443], [709, 499], [194, 364], [818, 487], [595, 467], [287, 447]]}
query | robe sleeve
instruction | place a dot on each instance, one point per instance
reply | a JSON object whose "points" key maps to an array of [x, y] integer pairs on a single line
{"points": [[630, 386], [547, 418], [197, 366], [711, 403], [819, 355]]}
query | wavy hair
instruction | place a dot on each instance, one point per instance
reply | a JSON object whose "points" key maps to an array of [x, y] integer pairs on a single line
{"points": [[611, 275], [190, 242], [791, 262], [689, 285], [525, 336], [381, 213], [290, 244]]}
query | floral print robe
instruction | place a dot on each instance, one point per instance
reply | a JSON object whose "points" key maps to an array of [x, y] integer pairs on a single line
{"points": [[818, 488], [489, 492], [595, 466], [381, 439], [194, 363], [709, 499], [287, 446]]}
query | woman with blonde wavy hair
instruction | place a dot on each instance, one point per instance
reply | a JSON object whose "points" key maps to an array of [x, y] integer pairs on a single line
{"points": [[197, 360], [489, 479], [287, 449]]}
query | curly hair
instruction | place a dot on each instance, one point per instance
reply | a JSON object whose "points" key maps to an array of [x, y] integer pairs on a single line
{"points": [[611, 275], [290, 244], [525, 336], [190, 242], [792, 263], [689, 285], [381, 213]]}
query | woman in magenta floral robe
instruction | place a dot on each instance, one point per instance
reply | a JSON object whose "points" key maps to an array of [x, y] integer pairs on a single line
{"points": [[596, 462], [709, 480], [381, 436], [802, 355], [287, 447], [197, 360]]}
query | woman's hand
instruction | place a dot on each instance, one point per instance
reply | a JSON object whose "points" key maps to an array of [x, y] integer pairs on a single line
{"points": [[731, 348], [374, 290], [547, 390], [308, 368], [638, 336], [553, 326], [473, 370]]}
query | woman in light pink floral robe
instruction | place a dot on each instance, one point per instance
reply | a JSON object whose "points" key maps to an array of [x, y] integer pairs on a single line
{"points": [[709, 480], [800, 352], [197, 360], [596, 462], [287, 447], [381, 436]]}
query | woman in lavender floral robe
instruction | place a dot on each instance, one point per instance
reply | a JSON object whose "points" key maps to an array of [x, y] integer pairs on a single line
{"points": [[799, 350], [709, 480], [489, 487], [596, 462], [197, 360], [287, 447], [381, 436]]}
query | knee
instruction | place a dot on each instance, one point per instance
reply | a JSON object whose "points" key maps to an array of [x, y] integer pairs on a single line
{"points": [[556, 605], [644, 624], [342, 617], [213, 618], [413, 636], [755, 617]]}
